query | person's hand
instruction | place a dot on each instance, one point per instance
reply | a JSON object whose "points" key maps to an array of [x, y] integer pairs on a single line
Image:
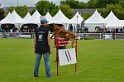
{"points": [[50, 51], [35, 51]]}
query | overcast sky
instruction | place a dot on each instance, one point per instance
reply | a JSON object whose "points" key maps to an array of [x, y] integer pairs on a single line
{"points": [[7, 3]]}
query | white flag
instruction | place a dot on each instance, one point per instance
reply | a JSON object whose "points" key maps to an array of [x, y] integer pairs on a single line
{"points": [[67, 56]]}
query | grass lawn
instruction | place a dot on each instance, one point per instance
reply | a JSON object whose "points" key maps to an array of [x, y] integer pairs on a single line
{"points": [[98, 61]]}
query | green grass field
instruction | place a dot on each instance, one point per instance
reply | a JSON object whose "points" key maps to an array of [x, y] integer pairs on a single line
{"points": [[98, 61]]}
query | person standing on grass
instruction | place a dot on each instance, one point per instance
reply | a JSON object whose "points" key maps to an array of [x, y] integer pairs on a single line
{"points": [[42, 46], [113, 34]]}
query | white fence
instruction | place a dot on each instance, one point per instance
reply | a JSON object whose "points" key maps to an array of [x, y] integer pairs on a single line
{"points": [[80, 35], [17, 35], [100, 35]]}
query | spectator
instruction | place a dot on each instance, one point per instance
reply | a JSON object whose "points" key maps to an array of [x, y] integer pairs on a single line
{"points": [[11, 32], [70, 27], [113, 34]]}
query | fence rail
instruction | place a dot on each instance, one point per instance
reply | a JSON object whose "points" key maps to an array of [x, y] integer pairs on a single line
{"points": [[80, 35], [100, 35], [17, 35]]}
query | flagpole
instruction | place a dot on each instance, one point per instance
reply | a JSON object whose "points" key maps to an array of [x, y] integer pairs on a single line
{"points": [[17, 2], [77, 23]]}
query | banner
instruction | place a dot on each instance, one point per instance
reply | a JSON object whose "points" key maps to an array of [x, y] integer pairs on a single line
{"points": [[67, 56]]}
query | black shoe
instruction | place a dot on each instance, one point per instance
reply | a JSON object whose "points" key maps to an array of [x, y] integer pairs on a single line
{"points": [[49, 77], [35, 75]]}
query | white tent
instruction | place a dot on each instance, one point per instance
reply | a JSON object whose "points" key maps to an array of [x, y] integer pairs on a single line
{"points": [[112, 21], [76, 19], [13, 18], [48, 17], [60, 18], [95, 20], [6, 19], [35, 18], [111, 16], [28, 15], [115, 24]]}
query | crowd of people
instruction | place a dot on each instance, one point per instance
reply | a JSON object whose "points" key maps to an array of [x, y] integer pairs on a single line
{"points": [[27, 30], [14, 32], [10, 30], [109, 30]]}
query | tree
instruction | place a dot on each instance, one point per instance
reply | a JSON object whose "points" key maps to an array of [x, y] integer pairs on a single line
{"points": [[121, 2], [44, 6], [71, 3], [117, 10], [104, 12], [86, 15], [119, 14], [1, 14], [74, 4], [21, 10], [32, 11], [10, 9], [103, 3], [54, 11], [92, 4], [82, 5], [67, 11], [100, 3]]}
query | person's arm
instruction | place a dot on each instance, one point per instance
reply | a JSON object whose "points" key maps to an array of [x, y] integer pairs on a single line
{"points": [[49, 43], [34, 43]]}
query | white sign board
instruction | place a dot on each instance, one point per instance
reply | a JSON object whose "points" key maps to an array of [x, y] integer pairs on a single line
{"points": [[25, 36], [67, 56]]}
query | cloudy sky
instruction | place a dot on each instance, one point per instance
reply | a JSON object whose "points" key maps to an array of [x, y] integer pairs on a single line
{"points": [[7, 3]]}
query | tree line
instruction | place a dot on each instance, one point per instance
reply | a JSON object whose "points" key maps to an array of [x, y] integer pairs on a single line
{"points": [[43, 6]]}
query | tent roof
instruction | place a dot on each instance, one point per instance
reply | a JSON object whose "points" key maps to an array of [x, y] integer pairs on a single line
{"points": [[12, 18], [48, 17], [113, 21], [111, 16], [6, 18], [60, 18], [115, 24], [76, 18], [28, 15], [36, 13], [35, 18], [16, 18], [95, 18]]}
